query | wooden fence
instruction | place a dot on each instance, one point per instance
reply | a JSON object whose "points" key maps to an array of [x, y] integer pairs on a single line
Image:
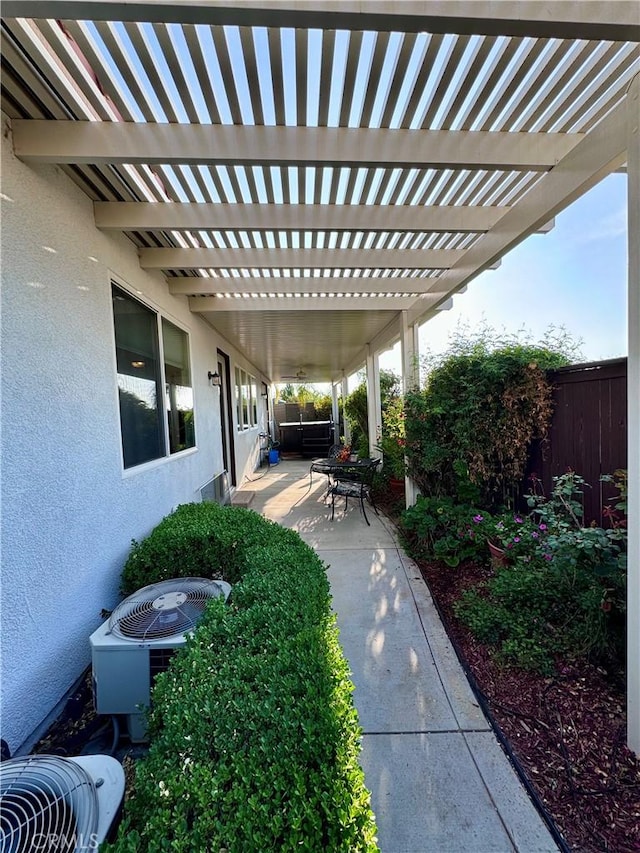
{"points": [[588, 432]]}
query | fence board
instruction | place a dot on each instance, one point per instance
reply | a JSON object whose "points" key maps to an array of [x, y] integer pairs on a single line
{"points": [[588, 432]]}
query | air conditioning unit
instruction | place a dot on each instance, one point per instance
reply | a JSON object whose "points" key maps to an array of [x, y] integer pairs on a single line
{"points": [[53, 803], [137, 642]]}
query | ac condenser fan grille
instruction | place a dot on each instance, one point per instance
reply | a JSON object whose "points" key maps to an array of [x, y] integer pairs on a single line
{"points": [[164, 609], [47, 803]]}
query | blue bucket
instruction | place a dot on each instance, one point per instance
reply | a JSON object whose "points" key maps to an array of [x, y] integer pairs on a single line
{"points": [[274, 457]]}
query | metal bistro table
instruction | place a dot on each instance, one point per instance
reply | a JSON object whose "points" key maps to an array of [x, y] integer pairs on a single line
{"points": [[350, 479]]}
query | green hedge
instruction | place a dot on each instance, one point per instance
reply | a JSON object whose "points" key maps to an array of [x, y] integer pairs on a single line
{"points": [[254, 737]]}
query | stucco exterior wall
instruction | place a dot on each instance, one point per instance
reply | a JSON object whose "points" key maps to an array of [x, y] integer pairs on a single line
{"points": [[69, 511]]}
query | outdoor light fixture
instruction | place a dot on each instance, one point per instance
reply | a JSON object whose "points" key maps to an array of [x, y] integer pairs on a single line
{"points": [[214, 379]]}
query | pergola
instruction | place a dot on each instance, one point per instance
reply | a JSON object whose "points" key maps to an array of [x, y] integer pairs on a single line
{"points": [[320, 178]]}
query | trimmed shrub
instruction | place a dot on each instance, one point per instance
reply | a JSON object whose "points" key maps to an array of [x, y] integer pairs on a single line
{"points": [[254, 737], [199, 540]]}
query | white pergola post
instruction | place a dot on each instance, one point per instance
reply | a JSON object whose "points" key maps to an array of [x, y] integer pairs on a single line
{"points": [[374, 405], [347, 425], [335, 413], [410, 351], [633, 420]]}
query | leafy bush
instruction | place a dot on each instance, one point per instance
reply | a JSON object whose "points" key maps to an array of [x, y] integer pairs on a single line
{"points": [[196, 540], [392, 438], [474, 422], [441, 529], [254, 737], [565, 595]]}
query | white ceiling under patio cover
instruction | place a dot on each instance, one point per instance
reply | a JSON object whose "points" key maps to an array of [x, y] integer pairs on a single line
{"points": [[306, 172]]}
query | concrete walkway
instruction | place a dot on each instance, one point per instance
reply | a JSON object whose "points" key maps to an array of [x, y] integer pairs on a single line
{"points": [[439, 780]]}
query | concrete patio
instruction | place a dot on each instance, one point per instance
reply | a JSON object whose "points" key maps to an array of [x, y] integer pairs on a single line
{"points": [[439, 780]]}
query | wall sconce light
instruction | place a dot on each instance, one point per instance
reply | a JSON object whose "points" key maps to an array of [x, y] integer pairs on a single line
{"points": [[214, 379]]}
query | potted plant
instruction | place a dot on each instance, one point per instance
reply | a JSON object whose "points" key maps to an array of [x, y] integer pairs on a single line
{"points": [[511, 535], [392, 449]]}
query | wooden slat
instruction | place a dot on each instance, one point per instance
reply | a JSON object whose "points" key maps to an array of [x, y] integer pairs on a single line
{"points": [[373, 84], [301, 77], [251, 69], [224, 61], [468, 81], [200, 64], [326, 68], [353, 56]]}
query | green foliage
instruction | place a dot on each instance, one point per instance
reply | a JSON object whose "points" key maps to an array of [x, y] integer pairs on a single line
{"points": [[565, 594], [438, 528], [301, 393], [199, 540], [392, 439], [355, 409], [471, 427], [324, 407], [254, 734]]}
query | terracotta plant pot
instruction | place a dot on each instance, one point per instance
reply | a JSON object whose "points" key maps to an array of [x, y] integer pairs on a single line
{"points": [[396, 486], [498, 555]]}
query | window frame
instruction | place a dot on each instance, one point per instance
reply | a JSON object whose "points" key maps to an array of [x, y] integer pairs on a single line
{"points": [[167, 455], [246, 403], [163, 317]]}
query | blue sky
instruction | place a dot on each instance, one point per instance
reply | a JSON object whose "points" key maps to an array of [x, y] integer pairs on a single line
{"points": [[575, 276]]}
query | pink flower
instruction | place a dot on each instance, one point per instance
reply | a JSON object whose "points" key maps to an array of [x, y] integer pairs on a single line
{"points": [[517, 519], [542, 527], [478, 518], [548, 557], [516, 538]]}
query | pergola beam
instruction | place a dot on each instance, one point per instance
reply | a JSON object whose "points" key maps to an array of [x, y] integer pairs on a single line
{"points": [[104, 143], [147, 216], [189, 259], [205, 286], [288, 301], [599, 154], [616, 20]]}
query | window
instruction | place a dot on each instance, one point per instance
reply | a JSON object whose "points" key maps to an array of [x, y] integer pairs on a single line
{"points": [[239, 398], [142, 368], [254, 401], [246, 399], [179, 393]]}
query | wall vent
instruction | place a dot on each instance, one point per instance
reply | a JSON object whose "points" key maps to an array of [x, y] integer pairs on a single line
{"points": [[217, 489]]}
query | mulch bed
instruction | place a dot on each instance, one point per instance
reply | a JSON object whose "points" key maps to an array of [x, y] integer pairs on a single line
{"points": [[568, 731]]}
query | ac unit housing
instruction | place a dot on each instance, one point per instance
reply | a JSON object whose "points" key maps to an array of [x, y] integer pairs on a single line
{"points": [[55, 803], [124, 670]]}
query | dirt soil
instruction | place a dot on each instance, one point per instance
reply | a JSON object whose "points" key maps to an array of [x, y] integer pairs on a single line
{"points": [[568, 731]]}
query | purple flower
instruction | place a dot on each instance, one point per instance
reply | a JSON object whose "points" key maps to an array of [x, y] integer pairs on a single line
{"points": [[542, 527], [517, 519], [478, 518], [548, 557], [516, 538], [535, 534]]}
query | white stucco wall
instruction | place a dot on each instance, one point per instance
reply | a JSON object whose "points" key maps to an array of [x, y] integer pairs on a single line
{"points": [[69, 511]]}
